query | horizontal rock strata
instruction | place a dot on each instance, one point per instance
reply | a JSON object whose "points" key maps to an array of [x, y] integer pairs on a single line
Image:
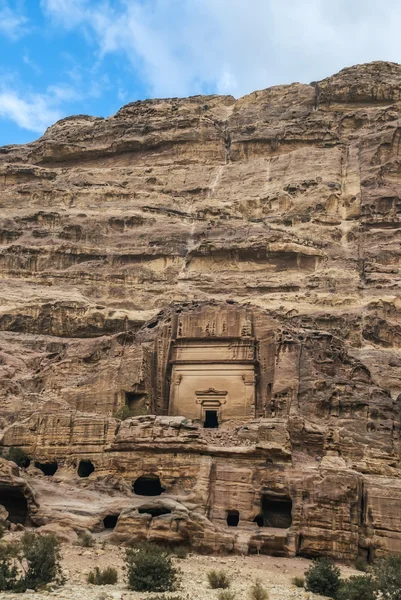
{"points": [[219, 262]]}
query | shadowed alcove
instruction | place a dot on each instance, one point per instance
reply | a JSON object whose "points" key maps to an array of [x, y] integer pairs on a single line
{"points": [[155, 511], [15, 503], [276, 512], [232, 518], [148, 485], [85, 468], [110, 521], [48, 468], [136, 402]]}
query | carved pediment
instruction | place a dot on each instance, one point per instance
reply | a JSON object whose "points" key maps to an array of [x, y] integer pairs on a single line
{"points": [[211, 392]]}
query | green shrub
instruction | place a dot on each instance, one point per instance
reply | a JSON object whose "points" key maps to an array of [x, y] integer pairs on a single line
{"points": [[150, 569], [258, 592], [323, 577], [9, 556], [107, 576], [42, 556], [387, 573], [122, 413], [226, 595], [360, 587], [85, 540], [299, 582], [361, 564], [218, 580], [18, 456], [30, 563]]}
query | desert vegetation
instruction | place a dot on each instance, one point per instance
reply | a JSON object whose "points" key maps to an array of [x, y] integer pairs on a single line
{"points": [[30, 563], [150, 569]]}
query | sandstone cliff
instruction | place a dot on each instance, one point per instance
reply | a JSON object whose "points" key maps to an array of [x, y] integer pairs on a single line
{"points": [[253, 240]]}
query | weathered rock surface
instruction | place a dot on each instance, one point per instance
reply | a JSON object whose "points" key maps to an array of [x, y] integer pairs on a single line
{"points": [[211, 259]]}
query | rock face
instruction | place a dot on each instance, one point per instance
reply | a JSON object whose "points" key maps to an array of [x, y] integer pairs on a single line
{"points": [[230, 271]]}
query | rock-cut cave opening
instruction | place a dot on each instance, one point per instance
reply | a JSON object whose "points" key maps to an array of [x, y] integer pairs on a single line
{"points": [[232, 518], [110, 521], [47, 468], [85, 468], [148, 485], [15, 504], [276, 512], [155, 511]]}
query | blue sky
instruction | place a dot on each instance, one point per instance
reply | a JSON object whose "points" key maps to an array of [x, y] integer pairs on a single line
{"points": [[63, 57]]}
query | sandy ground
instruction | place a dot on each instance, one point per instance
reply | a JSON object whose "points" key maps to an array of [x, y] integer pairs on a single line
{"points": [[275, 573]]}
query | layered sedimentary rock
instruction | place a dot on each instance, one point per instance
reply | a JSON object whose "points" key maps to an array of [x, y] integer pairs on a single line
{"points": [[229, 270]]}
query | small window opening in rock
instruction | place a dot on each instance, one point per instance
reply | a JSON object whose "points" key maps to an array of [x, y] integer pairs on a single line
{"points": [[232, 518], [110, 521], [154, 511], [136, 402], [211, 419], [276, 512], [15, 504], [48, 469], [86, 467], [148, 485]]}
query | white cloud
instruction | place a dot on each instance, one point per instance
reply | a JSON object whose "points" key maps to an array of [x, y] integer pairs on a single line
{"points": [[62, 93], [30, 63], [12, 24], [181, 47], [68, 12], [34, 112]]}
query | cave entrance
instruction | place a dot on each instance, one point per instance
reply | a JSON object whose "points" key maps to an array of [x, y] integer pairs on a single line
{"points": [[15, 504], [154, 511], [136, 402], [110, 521], [148, 485], [211, 419], [48, 468], [232, 518], [276, 512], [86, 467]]}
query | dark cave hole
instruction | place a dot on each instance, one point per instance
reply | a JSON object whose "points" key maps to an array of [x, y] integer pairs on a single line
{"points": [[86, 467], [259, 520], [276, 512], [211, 419], [48, 468], [232, 518], [148, 485], [154, 511], [110, 521], [15, 503]]}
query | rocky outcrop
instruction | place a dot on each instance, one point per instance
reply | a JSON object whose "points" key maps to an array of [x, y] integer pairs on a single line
{"points": [[18, 503], [211, 261]]}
